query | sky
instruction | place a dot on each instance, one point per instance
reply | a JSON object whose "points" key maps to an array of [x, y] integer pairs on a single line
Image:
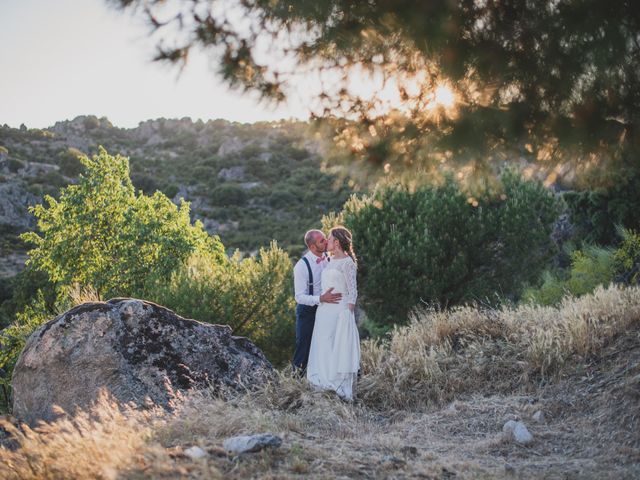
{"points": [[64, 58]]}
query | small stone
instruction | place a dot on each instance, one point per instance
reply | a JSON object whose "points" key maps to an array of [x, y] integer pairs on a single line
{"points": [[539, 416], [508, 468], [251, 443], [517, 431], [195, 453]]}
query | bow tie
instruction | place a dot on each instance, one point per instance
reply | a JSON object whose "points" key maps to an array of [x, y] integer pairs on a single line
{"points": [[320, 259]]}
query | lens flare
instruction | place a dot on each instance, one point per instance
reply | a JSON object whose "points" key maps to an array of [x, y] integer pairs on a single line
{"points": [[444, 97]]}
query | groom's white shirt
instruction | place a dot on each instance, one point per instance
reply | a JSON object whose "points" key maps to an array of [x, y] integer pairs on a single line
{"points": [[301, 278]]}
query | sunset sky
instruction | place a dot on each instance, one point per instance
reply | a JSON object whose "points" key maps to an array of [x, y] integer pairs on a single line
{"points": [[79, 57]]}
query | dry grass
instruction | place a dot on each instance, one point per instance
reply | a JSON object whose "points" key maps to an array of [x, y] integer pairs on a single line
{"points": [[480, 360], [444, 354], [90, 445]]}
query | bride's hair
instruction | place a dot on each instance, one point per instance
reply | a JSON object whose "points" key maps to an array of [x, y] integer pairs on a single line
{"points": [[344, 238]]}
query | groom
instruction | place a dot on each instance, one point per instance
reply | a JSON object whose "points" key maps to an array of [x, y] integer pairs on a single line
{"points": [[306, 282]]}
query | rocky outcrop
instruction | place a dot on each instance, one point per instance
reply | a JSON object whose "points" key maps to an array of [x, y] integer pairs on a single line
{"points": [[232, 174], [136, 350], [15, 201]]}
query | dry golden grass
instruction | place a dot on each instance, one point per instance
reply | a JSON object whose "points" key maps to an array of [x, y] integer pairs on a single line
{"points": [[91, 445], [443, 354], [487, 364]]}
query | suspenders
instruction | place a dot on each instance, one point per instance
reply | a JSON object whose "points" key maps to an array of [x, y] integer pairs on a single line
{"points": [[310, 284]]}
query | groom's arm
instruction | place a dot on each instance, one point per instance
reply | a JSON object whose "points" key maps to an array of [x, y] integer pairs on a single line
{"points": [[300, 279]]}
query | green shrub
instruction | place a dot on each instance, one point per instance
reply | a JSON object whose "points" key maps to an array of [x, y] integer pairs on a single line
{"points": [[282, 198], [15, 165], [590, 267], [14, 337], [252, 295], [69, 162], [52, 179], [170, 190], [228, 194], [21, 289], [144, 182], [597, 213], [437, 245], [626, 260]]}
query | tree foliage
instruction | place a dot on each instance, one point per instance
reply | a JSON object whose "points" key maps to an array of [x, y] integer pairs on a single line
{"points": [[252, 295], [438, 245], [626, 260], [597, 212], [101, 233], [554, 78], [590, 267]]}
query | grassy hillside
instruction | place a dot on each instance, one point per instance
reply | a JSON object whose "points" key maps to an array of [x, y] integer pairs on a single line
{"points": [[248, 183]]}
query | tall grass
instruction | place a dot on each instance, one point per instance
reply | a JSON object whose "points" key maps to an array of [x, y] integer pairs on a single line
{"points": [[444, 353], [95, 444]]}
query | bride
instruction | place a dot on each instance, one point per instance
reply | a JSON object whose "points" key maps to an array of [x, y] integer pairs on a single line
{"points": [[335, 345]]}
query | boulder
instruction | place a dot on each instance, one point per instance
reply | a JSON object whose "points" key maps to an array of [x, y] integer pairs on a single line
{"points": [[137, 351], [517, 431]]}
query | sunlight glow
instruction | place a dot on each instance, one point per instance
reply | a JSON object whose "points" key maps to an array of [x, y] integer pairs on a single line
{"points": [[444, 96]]}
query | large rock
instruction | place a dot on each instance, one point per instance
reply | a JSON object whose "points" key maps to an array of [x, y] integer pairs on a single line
{"points": [[133, 349]]}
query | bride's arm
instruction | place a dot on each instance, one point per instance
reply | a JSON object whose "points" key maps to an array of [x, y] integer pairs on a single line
{"points": [[350, 273]]}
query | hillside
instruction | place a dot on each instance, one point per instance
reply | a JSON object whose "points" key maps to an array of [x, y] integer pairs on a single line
{"points": [[247, 183]]}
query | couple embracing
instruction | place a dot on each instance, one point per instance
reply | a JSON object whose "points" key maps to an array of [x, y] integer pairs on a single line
{"points": [[327, 340]]}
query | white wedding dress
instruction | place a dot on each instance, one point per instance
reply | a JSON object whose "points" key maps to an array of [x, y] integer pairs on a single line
{"points": [[334, 357]]}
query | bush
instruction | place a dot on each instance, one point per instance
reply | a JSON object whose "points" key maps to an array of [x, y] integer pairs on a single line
{"points": [[21, 289], [14, 165], [282, 198], [144, 182], [590, 267], [439, 246], [228, 194], [69, 162], [170, 190], [626, 260], [14, 337], [252, 295], [597, 213]]}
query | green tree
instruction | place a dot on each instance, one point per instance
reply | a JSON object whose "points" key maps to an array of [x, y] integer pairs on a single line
{"points": [[543, 74], [438, 245], [101, 233]]}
